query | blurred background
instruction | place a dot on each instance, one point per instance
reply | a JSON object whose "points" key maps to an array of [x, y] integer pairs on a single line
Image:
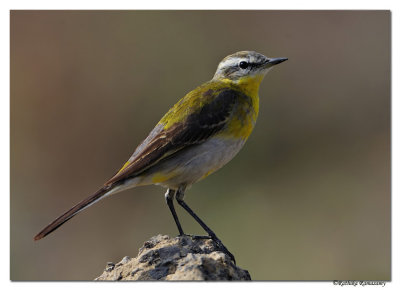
{"points": [[308, 197]]}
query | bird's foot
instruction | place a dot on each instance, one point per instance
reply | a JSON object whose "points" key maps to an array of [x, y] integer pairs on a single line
{"points": [[225, 250], [196, 237], [220, 245]]}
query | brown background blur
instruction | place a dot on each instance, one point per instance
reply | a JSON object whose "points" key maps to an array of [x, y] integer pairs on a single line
{"points": [[308, 198]]}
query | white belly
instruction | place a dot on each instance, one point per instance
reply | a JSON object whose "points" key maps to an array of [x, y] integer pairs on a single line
{"points": [[193, 163]]}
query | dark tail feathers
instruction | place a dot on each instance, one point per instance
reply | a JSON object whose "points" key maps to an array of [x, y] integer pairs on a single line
{"points": [[101, 193]]}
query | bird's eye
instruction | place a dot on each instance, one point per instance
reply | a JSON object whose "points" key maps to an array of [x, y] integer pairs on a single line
{"points": [[243, 64]]}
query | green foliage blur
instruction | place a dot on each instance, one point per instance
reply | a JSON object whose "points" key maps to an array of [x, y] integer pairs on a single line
{"points": [[308, 198]]}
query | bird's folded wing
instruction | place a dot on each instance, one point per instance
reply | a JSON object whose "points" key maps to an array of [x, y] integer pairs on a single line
{"points": [[204, 116]]}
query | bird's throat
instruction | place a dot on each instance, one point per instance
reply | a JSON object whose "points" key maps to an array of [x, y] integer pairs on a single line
{"points": [[248, 84]]}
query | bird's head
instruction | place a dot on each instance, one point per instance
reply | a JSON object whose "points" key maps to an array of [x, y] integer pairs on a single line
{"points": [[244, 66]]}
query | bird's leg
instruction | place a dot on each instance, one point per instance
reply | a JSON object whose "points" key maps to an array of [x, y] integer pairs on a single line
{"points": [[179, 198], [169, 197]]}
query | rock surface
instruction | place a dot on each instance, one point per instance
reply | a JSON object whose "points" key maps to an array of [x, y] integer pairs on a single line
{"points": [[180, 258]]}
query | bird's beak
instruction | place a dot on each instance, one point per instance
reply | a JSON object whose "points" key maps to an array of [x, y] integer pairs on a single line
{"points": [[268, 63], [274, 61]]}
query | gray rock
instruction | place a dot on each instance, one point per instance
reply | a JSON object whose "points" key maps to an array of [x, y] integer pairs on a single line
{"points": [[180, 258]]}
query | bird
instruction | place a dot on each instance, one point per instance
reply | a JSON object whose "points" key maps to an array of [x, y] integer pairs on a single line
{"points": [[201, 133]]}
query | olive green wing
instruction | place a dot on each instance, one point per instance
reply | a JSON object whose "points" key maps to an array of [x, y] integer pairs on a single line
{"points": [[203, 117]]}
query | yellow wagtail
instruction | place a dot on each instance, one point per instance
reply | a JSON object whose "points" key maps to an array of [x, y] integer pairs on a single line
{"points": [[197, 136]]}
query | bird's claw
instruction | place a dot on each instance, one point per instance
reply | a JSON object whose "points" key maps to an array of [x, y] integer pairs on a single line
{"points": [[225, 250], [216, 240]]}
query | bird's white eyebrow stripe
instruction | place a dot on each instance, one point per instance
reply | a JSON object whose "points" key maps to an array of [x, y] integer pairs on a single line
{"points": [[230, 62]]}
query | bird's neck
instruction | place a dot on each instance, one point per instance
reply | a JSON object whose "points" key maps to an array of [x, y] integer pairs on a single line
{"points": [[249, 84]]}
